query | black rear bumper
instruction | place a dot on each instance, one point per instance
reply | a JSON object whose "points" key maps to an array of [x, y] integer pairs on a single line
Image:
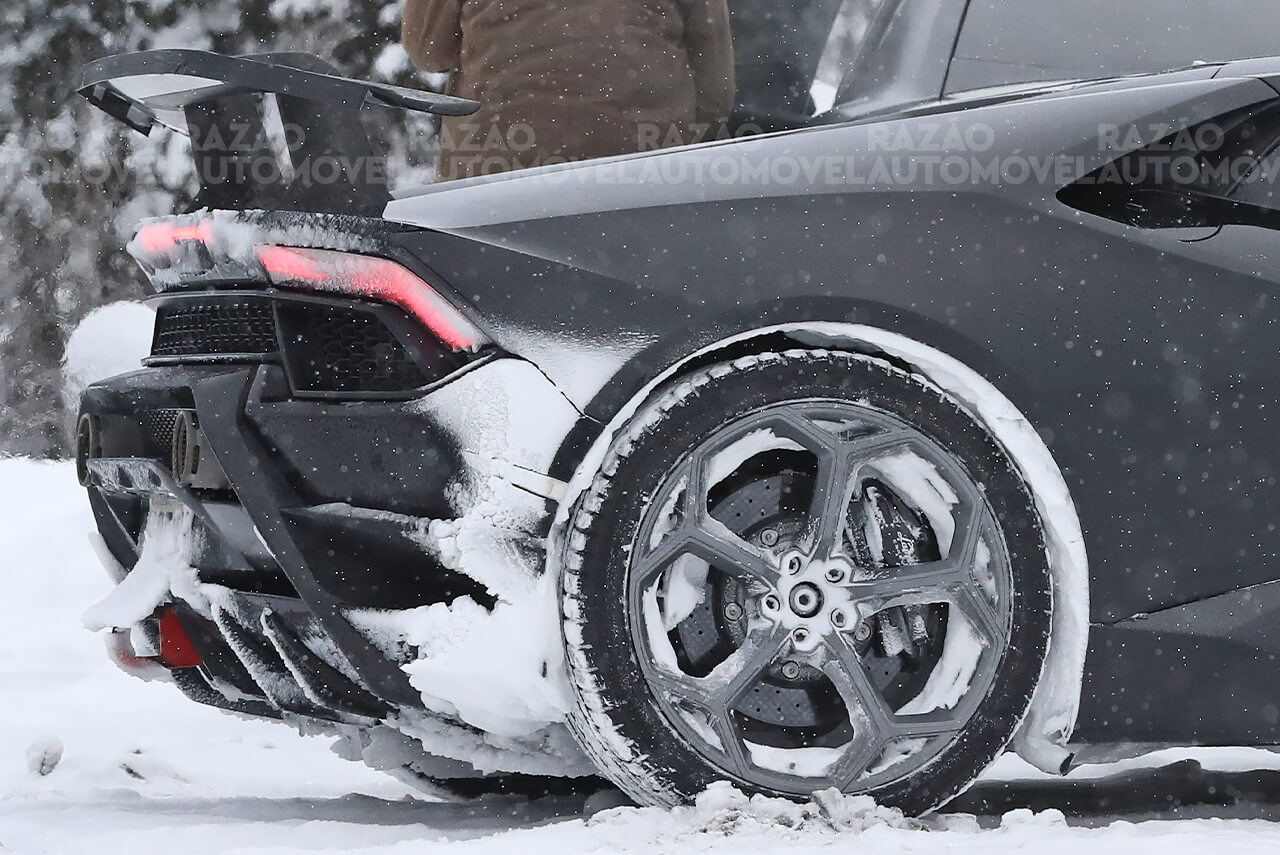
{"points": [[318, 509]]}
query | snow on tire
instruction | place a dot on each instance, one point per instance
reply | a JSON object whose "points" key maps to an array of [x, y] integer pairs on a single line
{"points": [[803, 570]]}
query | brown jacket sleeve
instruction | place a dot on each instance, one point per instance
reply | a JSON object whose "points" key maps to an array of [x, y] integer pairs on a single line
{"points": [[431, 33], [710, 48]]}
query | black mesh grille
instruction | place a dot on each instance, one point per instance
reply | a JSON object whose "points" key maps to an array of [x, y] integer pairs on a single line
{"points": [[157, 430], [334, 349], [214, 327], [330, 348]]}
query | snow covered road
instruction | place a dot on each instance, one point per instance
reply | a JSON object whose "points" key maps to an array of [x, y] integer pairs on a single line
{"points": [[134, 767]]}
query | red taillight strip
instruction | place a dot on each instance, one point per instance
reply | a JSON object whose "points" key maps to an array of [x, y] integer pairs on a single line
{"points": [[376, 278], [160, 238]]}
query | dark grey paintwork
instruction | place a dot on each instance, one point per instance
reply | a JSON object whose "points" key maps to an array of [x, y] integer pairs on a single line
{"points": [[1145, 357]]}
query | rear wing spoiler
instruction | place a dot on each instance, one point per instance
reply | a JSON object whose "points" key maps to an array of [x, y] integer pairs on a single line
{"points": [[291, 111], [155, 87]]}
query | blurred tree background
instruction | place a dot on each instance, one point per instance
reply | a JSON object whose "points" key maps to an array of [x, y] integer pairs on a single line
{"points": [[73, 183]]}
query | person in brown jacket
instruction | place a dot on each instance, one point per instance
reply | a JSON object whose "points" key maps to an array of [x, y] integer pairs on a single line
{"points": [[561, 80]]}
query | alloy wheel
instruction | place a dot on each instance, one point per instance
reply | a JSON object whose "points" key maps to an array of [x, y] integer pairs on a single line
{"points": [[819, 596]]}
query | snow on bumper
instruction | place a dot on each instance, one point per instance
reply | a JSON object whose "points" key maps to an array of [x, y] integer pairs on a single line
{"points": [[499, 670], [482, 668]]}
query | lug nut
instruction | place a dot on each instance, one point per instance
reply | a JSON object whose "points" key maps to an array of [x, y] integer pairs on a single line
{"points": [[863, 631], [790, 670], [733, 611], [769, 537], [838, 619]]}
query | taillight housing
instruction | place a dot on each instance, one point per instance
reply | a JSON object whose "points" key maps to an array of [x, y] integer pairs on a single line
{"points": [[343, 324], [349, 274]]}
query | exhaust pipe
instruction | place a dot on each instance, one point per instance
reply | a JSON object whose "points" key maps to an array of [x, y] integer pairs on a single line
{"points": [[88, 445], [190, 460]]}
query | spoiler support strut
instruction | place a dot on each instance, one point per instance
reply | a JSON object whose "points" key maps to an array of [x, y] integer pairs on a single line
{"points": [[320, 159]]}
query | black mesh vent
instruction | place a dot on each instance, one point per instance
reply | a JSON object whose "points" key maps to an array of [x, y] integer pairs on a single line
{"points": [[157, 430], [333, 350], [214, 327], [330, 348]]}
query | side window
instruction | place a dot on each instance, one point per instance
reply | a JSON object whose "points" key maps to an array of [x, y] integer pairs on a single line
{"points": [[1033, 40], [1192, 177], [1262, 186], [1243, 166]]}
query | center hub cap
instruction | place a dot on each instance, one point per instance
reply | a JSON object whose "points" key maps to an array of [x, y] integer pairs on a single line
{"points": [[806, 600]]}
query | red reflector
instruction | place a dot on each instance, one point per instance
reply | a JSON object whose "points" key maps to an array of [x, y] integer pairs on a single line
{"points": [[176, 649], [376, 278]]}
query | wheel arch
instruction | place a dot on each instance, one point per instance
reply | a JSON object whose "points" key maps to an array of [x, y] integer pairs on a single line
{"points": [[1046, 730]]}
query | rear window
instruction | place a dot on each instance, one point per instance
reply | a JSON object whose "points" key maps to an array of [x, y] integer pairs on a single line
{"points": [[844, 46], [1031, 40]]}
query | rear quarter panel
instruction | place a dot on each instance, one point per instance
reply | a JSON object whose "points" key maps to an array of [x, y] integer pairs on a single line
{"points": [[1110, 339]]}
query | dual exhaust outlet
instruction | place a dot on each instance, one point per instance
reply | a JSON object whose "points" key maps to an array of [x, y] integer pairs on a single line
{"points": [[191, 461]]}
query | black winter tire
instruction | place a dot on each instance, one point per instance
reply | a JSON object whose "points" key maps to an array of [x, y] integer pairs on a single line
{"points": [[629, 728]]}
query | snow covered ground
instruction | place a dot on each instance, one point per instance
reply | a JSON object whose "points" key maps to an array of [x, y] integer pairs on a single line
{"points": [[133, 767]]}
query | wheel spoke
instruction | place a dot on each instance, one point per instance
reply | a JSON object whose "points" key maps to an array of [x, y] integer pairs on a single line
{"points": [[724, 550], [716, 545], [697, 533], [755, 655], [865, 449], [968, 533], [874, 724], [869, 716], [719, 692], [950, 580], [839, 461], [981, 614], [917, 584], [970, 598], [655, 561], [834, 482], [936, 723], [829, 509], [735, 750], [856, 759]]}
